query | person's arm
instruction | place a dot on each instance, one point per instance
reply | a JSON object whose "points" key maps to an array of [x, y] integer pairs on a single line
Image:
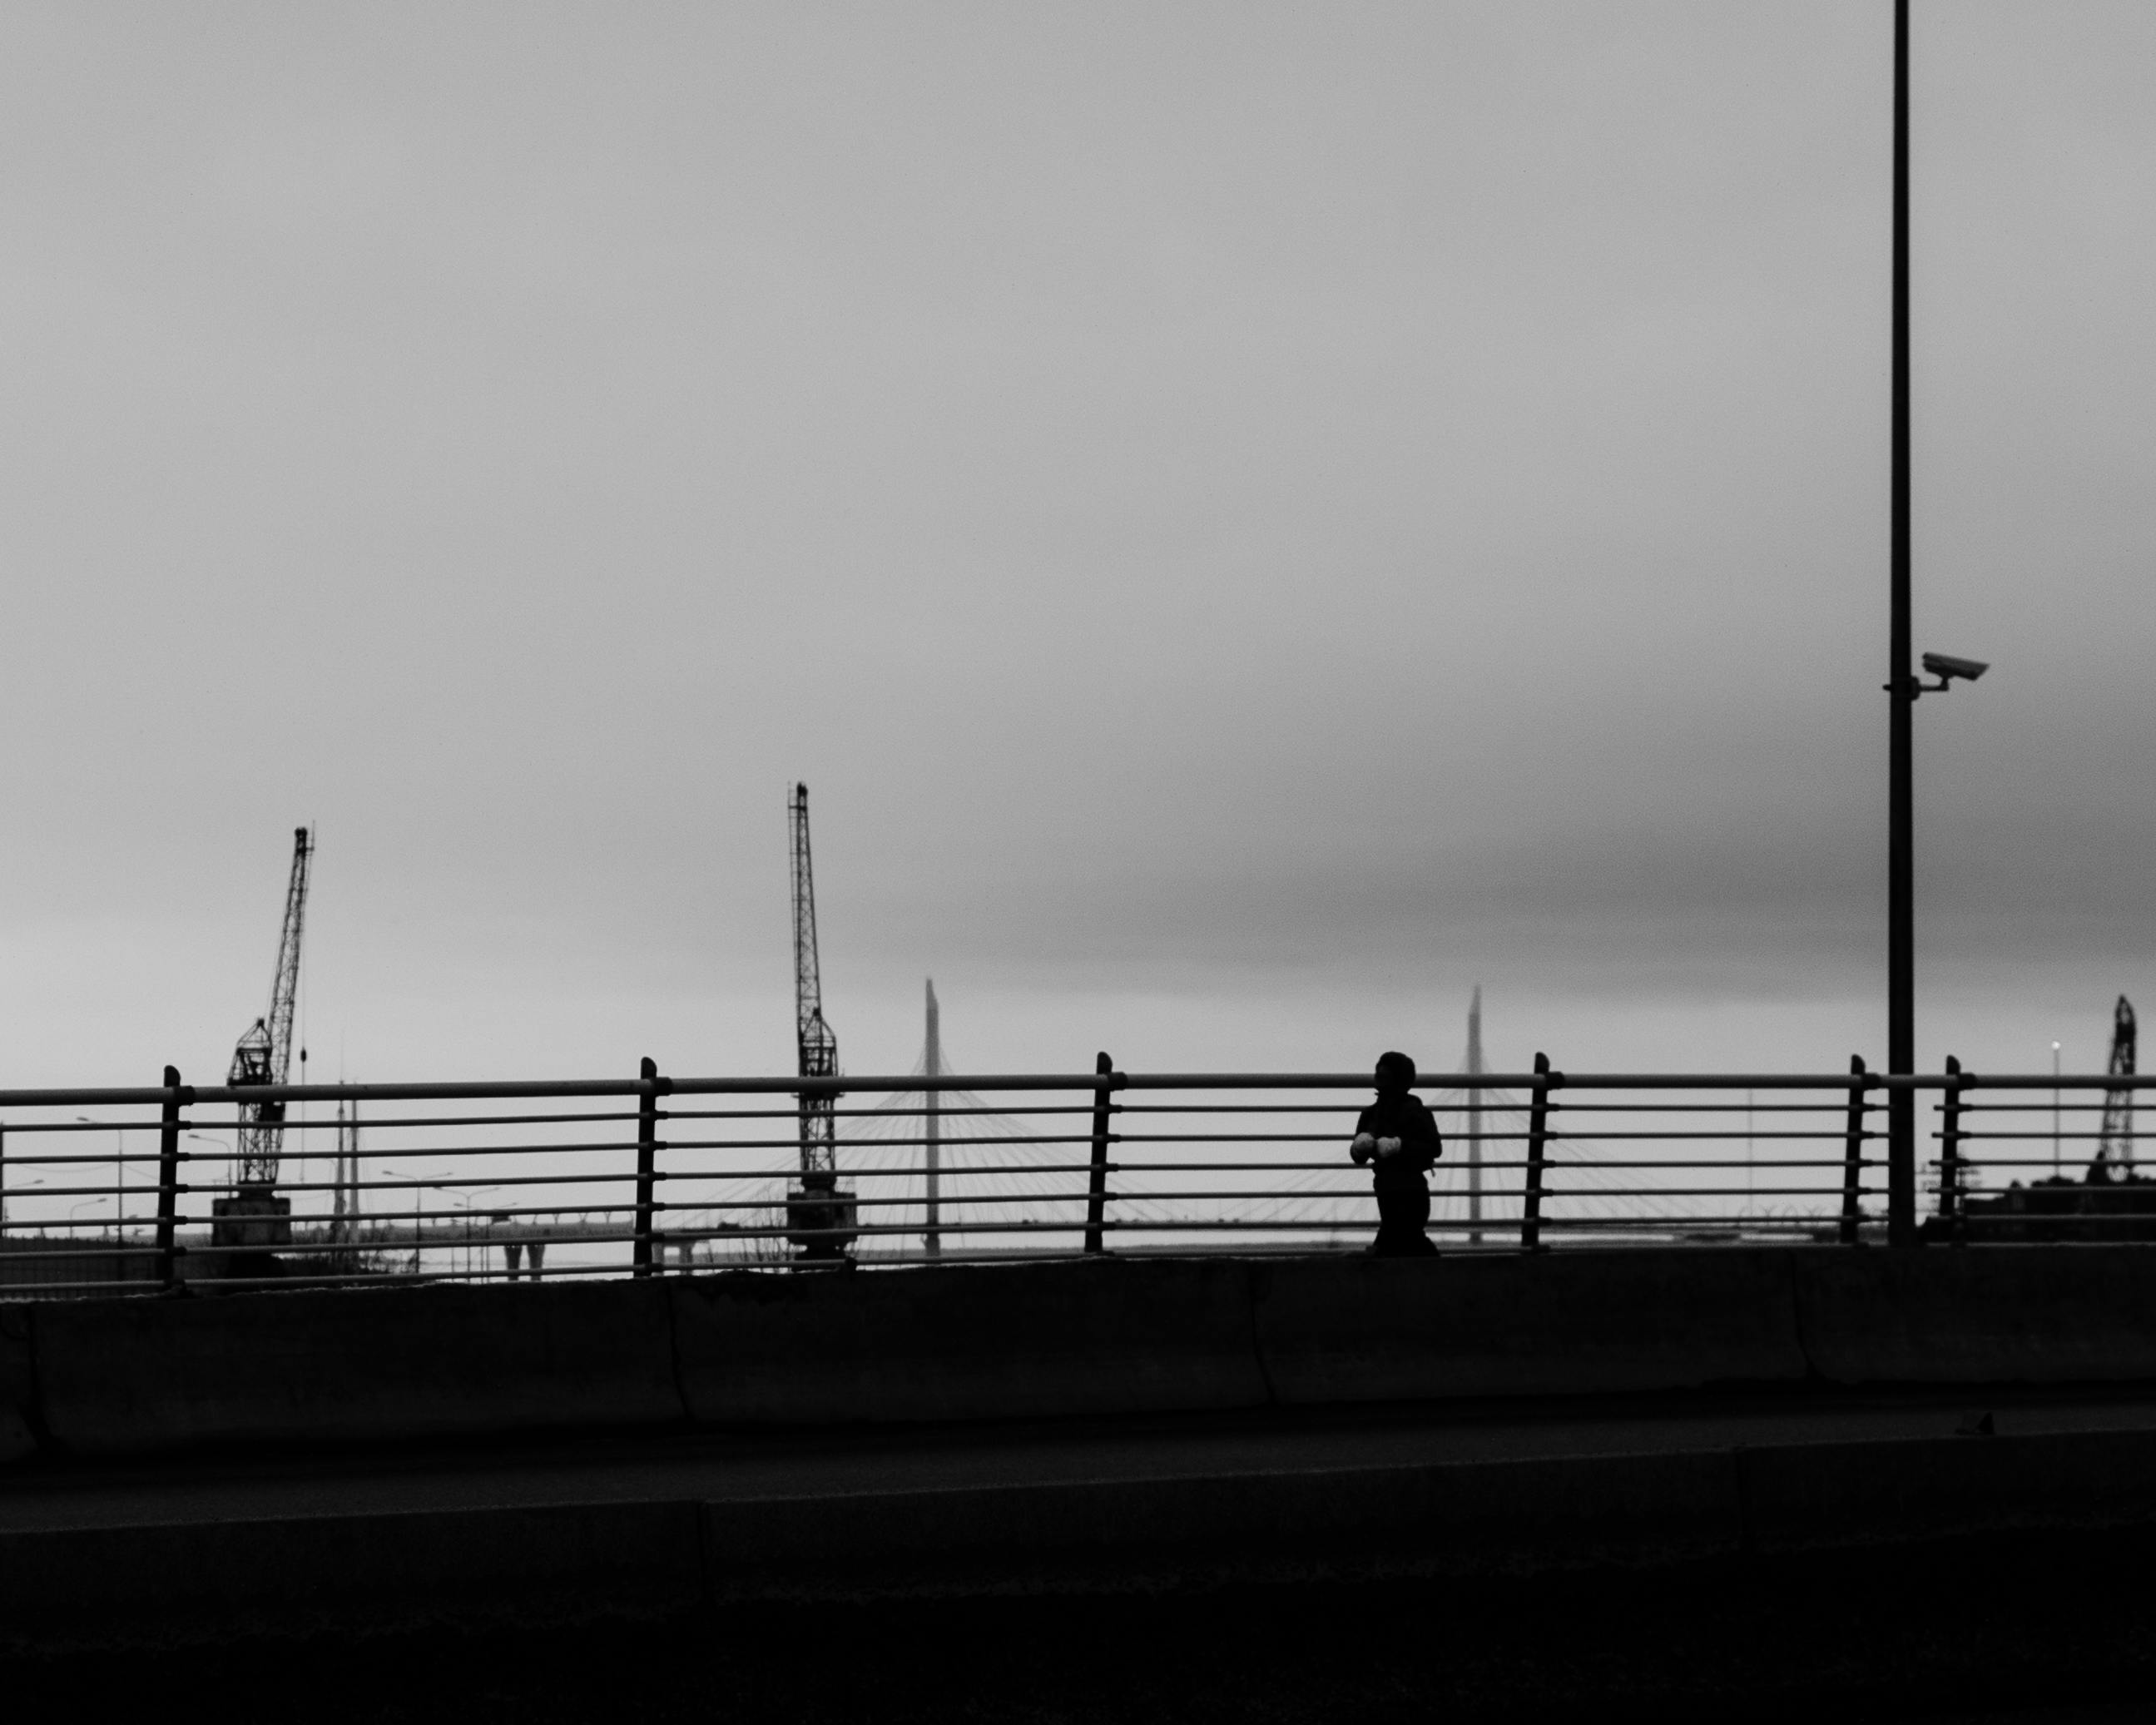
{"points": [[1365, 1145], [1429, 1145]]}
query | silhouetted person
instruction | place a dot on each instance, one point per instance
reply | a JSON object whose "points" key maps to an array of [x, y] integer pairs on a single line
{"points": [[1397, 1136]]}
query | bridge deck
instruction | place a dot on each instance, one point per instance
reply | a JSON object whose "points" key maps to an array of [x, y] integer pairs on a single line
{"points": [[667, 1520]]}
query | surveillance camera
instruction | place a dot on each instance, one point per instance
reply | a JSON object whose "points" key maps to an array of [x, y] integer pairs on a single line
{"points": [[1945, 666]]}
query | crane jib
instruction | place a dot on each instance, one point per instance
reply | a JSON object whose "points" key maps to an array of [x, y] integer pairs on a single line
{"points": [[264, 1055]]}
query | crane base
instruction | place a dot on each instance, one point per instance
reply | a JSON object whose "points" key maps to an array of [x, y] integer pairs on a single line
{"points": [[822, 1219], [252, 1220]]}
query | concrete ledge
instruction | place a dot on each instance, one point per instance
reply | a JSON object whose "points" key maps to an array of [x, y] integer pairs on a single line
{"points": [[1009, 1342], [1457, 1518], [1382, 1330], [1984, 1315], [176, 1573], [18, 1385], [1461, 1519], [128, 1377]]}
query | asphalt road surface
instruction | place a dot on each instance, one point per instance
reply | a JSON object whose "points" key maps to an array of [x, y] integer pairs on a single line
{"points": [[2035, 1629], [709, 1467], [2026, 1630]]}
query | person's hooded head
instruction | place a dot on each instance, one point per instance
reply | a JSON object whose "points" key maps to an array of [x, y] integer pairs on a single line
{"points": [[1395, 1073]]}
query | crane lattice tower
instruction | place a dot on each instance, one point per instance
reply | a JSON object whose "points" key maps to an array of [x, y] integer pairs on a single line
{"points": [[822, 1216], [2115, 1148], [817, 1044], [264, 1055]]}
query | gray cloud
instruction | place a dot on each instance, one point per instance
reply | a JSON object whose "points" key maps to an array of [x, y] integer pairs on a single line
{"points": [[1190, 488]]}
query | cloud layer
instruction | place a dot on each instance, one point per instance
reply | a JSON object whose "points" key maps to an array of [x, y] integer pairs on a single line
{"points": [[1388, 491]]}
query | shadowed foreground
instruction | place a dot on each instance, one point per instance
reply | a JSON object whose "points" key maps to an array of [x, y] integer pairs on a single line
{"points": [[2030, 1627]]}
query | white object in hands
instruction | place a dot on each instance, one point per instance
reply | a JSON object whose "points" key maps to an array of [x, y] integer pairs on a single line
{"points": [[1388, 1147], [1363, 1148]]}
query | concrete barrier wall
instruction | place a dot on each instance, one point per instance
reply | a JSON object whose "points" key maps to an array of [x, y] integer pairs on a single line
{"points": [[127, 1376], [1382, 1330], [1997, 1315], [18, 1389], [1053, 1341], [1013, 1341]]}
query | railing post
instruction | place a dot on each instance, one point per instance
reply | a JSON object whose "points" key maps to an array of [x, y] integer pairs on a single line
{"points": [[1530, 1208], [1950, 1137], [647, 1164], [1097, 1188], [1852, 1158], [176, 1097]]}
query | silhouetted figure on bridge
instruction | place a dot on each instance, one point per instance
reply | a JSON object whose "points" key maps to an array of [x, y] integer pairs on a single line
{"points": [[1397, 1137]]}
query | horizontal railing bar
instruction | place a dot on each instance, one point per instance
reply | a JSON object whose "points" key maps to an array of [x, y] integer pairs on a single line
{"points": [[846, 1143], [1572, 1135], [451, 1149], [1985, 1105], [428, 1231], [447, 1181], [390, 1122], [1830, 1165], [146, 1096], [2044, 1137]]}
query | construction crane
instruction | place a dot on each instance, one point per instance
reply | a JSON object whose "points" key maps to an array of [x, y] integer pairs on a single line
{"points": [[265, 1052], [2114, 1150], [820, 1216], [264, 1056]]}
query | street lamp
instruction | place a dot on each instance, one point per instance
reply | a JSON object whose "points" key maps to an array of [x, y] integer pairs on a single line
{"points": [[421, 1186], [420, 1204], [85, 1120], [24, 1187], [1902, 690], [465, 1204]]}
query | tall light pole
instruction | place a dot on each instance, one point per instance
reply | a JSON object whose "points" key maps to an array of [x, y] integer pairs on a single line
{"points": [[1901, 701], [1903, 687]]}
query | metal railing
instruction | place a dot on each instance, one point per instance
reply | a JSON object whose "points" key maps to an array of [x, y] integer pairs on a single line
{"points": [[128, 1191]]}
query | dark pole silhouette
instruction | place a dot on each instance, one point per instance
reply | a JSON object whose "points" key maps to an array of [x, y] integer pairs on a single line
{"points": [[1902, 699], [1097, 1189]]}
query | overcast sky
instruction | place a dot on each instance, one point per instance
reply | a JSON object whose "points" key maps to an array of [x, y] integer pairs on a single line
{"points": [[1250, 519]]}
